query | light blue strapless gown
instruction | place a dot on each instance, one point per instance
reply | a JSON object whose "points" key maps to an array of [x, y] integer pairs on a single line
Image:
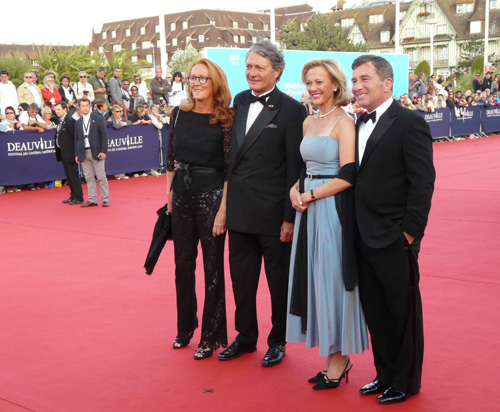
{"points": [[335, 320]]}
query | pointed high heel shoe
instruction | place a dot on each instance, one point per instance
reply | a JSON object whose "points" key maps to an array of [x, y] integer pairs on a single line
{"points": [[327, 383], [317, 378]]}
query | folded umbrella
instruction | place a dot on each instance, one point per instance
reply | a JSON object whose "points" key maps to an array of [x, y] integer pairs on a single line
{"points": [[161, 233]]}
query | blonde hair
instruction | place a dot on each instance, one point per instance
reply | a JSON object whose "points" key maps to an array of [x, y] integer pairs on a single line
{"points": [[342, 95], [222, 112], [45, 110]]}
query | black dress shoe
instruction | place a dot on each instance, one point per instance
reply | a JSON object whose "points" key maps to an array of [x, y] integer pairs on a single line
{"points": [[374, 388], [105, 203], [235, 350], [68, 200], [391, 396], [76, 202], [274, 356]]}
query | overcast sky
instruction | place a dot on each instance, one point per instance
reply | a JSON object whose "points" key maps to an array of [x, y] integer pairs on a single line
{"points": [[66, 24]]}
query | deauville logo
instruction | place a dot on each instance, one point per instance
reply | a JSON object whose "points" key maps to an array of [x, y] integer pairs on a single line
{"points": [[30, 148], [125, 143]]}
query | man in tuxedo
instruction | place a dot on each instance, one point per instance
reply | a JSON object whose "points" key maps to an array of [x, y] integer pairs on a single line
{"points": [[393, 191], [264, 164], [91, 143], [65, 152]]}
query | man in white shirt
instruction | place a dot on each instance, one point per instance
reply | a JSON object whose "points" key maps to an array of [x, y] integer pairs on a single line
{"points": [[8, 93], [31, 120], [28, 92]]}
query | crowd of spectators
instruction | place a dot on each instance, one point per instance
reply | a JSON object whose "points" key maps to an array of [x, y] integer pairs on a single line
{"points": [[121, 102], [431, 95]]}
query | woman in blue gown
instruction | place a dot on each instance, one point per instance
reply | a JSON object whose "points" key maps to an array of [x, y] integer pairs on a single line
{"points": [[324, 306]]}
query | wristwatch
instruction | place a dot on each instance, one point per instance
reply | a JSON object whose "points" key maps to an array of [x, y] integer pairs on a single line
{"points": [[312, 195]]}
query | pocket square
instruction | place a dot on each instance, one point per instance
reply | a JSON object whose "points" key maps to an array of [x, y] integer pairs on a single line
{"points": [[271, 126]]}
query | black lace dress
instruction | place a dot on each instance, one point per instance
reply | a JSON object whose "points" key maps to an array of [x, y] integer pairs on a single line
{"points": [[202, 150]]}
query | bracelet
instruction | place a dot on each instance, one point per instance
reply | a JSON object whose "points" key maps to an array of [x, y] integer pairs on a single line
{"points": [[312, 195]]}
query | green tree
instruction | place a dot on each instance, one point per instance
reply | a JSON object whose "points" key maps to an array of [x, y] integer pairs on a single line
{"points": [[478, 65], [472, 48], [290, 36], [181, 59], [16, 66], [320, 33], [71, 61], [423, 67]]}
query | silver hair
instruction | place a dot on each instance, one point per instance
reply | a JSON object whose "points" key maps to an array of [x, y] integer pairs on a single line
{"points": [[46, 77], [270, 51]]}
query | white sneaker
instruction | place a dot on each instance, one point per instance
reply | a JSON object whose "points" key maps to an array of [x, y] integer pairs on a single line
{"points": [[125, 177], [144, 174], [154, 173], [136, 175]]}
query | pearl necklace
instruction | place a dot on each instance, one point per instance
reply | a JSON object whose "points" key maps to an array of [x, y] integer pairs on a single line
{"points": [[324, 115]]}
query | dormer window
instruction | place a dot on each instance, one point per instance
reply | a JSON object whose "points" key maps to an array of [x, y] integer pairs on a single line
{"points": [[104, 35], [235, 24], [376, 18], [127, 32], [493, 4], [236, 38], [184, 25], [384, 36], [212, 22], [113, 34], [201, 38], [143, 30], [266, 26], [347, 22], [174, 41], [172, 26], [250, 25], [302, 26], [157, 28], [402, 14], [475, 26]]}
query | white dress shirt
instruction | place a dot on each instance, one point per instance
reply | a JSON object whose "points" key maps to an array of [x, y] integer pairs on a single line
{"points": [[365, 129], [86, 128], [24, 118], [35, 91], [255, 109], [8, 97]]}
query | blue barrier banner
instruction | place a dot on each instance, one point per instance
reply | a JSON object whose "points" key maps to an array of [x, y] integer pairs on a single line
{"points": [[29, 156], [490, 119], [438, 121], [469, 123]]}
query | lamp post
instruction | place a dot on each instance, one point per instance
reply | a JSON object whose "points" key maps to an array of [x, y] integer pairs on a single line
{"points": [[396, 34], [486, 32], [431, 23]]}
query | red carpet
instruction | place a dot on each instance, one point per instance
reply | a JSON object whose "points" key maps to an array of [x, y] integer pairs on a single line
{"points": [[84, 329]]}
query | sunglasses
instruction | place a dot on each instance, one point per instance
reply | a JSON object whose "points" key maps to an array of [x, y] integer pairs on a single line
{"points": [[9, 112], [83, 77], [28, 77], [20, 109], [125, 84]]}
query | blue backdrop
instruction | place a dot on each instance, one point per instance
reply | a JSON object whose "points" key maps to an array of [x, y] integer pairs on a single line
{"points": [[469, 123], [490, 119], [29, 156], [439, 122], [233, 63]]}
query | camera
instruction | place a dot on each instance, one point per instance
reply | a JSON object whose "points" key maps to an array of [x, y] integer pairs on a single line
{"points": [[85, 92], [106, 85]]}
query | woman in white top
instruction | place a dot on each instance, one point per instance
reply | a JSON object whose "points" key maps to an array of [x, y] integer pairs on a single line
{"points": [[141, 86], [47, 117], [81, 87], [178, 93]]}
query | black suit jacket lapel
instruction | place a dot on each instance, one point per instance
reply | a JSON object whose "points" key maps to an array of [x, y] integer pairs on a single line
{"points": [[358, 121], [241, 121], [382, 125], [270, 110]]}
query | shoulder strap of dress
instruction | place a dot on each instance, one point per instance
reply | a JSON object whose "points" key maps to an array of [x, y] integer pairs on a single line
{"points": [[308, 124], [334, 126]]}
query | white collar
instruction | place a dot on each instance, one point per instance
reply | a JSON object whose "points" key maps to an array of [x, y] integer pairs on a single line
{"points": [[86, 117], [264, 94], [383, 107]]}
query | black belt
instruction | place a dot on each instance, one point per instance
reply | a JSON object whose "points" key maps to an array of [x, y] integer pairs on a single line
{"points": [[187, 168], [311, 177]]}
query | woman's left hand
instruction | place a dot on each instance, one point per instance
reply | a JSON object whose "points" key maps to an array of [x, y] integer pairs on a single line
{"points": [[305, 198], [219, 224]]}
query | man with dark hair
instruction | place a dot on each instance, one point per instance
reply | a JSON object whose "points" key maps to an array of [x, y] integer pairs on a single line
{"points": [[99, 84], [393, 191], [421, 89], [64, 140], [476, 83], [115, 90], [159, 88], [264, 163], [91, 147], [487, 81], [101, 109], [8, 93]]}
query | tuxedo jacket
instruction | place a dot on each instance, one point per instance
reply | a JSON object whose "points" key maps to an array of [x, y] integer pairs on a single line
{"points": [[477, 86], [395, 178], [266, 165], [98, 137], [65, 136]]}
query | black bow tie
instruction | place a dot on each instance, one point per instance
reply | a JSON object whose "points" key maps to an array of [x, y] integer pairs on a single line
{"points": [[261, 99], [373, 115]]}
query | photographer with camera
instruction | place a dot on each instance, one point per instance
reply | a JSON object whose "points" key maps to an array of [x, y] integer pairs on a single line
{"points": [[83, 88], [31, 120], [97, 81]]}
